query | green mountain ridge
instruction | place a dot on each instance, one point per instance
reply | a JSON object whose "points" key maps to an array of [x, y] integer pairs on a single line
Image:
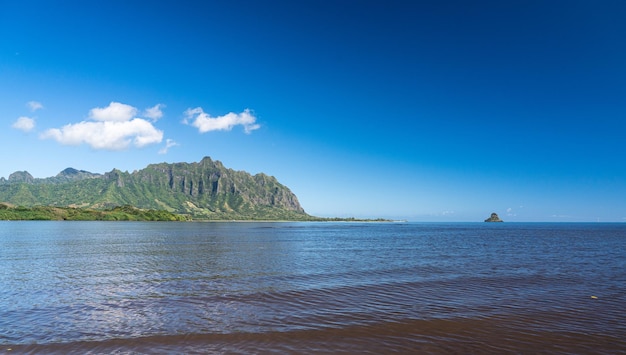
{"points": [[203, 190]]}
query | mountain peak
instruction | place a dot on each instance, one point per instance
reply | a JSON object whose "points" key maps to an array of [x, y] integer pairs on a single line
{"points": [[493, 218], [68, 171], [204, 189], [74, 174], [21, 176]]}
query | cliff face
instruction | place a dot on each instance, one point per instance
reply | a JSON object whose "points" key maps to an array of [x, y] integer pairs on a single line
{"points": [[204, 189], [209, 180]]}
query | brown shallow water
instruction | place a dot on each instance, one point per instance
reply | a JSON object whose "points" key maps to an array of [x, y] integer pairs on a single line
{"points": [[497, 336], [145, 288]]}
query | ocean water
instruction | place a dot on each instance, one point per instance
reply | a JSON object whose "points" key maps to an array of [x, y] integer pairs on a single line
{"points": [[204, 288]]}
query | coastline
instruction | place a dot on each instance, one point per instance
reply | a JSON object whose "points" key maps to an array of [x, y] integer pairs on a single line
{"points": [[131, 213]]}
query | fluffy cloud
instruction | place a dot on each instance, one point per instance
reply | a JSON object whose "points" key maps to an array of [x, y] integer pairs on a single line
{"points": [[25, 124], [154, 112], [112, 128], [115, 112], [169, 143], [204, 122], [34, 105]]}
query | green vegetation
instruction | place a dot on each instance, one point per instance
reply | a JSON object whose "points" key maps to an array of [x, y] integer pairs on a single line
{"points": [[130, 213], [205, 191], [182, 191], [119, 213]]}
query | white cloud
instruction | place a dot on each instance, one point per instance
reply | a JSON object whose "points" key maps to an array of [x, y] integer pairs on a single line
{"points": [[169, 143], [34, 105], [114, 112], [113, 128], [25, 124], [205, 123], [107, 135], [155, 112]]}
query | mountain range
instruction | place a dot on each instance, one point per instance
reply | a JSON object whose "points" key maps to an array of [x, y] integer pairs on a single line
{"points": [[203, 190]]}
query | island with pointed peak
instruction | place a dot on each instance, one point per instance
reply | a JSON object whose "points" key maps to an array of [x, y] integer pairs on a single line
{"points": [[494, 218]]}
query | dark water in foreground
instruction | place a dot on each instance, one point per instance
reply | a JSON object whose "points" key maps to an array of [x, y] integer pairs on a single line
{"points": [[133, 287]]}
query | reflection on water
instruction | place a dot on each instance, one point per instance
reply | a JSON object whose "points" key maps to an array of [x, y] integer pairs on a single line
{"points": [[311, 287]]}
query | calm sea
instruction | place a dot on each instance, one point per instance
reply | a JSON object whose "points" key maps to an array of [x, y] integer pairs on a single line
{"points": [[197, 288]]}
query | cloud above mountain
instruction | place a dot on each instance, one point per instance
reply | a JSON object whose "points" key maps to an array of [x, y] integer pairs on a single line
{"points": [[25, 124], [154, 112], [114, 127], [34, 105], [169, 143], [204, 122], [120, 126]]}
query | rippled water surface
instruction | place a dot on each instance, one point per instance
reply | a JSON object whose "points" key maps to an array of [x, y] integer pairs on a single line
{"points": [[134, 287]]}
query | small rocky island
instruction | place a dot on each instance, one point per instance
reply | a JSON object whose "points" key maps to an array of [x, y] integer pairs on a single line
{"points": [[494, 218]]}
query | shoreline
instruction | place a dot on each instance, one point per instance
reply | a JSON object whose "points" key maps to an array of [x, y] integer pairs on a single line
{"points": [[131, 213]]}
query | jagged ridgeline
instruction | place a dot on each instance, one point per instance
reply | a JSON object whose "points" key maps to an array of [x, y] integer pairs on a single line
{"points": [[204, 190]]}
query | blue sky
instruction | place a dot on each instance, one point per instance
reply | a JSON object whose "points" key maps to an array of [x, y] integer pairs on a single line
{"points": [[422, 110]]}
